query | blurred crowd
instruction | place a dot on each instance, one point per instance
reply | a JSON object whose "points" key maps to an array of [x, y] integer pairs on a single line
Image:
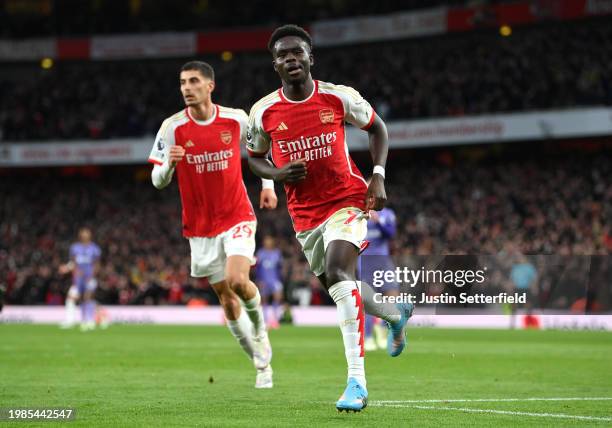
{"points": [[445, 204], [75, 17], [542, 67]]}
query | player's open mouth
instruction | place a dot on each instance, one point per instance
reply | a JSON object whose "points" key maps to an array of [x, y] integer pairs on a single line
{"points": [[294, 71]]}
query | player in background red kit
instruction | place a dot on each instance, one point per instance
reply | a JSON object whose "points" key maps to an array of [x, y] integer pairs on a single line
{"points": [[302, 126], [202, 144]]}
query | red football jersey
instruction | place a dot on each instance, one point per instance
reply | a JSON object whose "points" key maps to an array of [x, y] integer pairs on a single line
{"points": [[213, 194], [313, 130]]}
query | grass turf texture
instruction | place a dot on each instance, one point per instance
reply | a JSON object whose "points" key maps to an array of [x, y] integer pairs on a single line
{"points": [[160, 376]]}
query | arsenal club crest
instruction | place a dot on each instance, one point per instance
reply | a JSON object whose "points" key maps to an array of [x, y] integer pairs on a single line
{"points": [[326, 116], [226, 137]]}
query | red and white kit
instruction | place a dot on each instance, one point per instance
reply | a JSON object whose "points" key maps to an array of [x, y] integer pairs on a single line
{"points": [[329, 203], [218, 217]]}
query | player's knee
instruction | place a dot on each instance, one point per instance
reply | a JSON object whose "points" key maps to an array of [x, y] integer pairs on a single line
{"points": [[237, 280], [228, 299], [337, 274]]}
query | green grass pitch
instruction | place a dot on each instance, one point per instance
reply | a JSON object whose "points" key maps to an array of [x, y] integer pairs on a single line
{"points": [[159, 376]]}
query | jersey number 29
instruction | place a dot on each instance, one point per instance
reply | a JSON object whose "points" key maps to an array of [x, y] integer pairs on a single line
{"points": [[243, 231]]}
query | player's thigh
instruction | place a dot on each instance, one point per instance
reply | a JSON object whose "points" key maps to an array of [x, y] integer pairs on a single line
{"points": [[237, 269], [239, 250], [207, 258], [343, 237], [340, 261], [314, 249]]}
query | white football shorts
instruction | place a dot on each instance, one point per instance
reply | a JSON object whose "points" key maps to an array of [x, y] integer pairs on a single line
{"points": [[208, 255], [348, 224]]}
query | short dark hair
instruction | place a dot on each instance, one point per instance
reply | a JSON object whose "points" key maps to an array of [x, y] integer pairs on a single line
{"points": [[289, 30], [201, 66]]}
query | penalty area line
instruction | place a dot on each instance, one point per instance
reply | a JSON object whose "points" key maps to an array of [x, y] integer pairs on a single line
{"points": [[498, 412]]}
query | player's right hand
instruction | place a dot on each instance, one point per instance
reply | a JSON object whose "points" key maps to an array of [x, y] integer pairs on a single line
{"points": [[176, 154], [292, 172]]}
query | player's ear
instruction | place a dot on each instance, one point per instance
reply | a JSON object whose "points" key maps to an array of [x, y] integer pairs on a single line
{"points": [[311, 59], [211, 85]]}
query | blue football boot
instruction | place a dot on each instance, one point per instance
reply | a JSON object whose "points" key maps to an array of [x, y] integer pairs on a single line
{"points": [[354, 398], [396, 338]]}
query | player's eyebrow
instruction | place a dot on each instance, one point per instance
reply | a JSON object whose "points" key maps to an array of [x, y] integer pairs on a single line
{"points": [[192, 78], [297, 48]]}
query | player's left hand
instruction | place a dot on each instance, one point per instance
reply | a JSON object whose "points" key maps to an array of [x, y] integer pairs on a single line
{"points": [[268, 199], [376, 196]]}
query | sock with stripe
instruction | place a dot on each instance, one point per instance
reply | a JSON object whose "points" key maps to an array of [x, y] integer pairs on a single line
{"points": [[351, 319]]}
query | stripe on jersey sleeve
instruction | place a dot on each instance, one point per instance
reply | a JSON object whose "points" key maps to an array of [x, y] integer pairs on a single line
{"points": [[155, 161], [253, 154], [366, 127]]}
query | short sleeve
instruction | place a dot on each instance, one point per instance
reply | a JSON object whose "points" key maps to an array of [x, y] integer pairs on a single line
{"points": [[357, 111], [97, 252], [243, 120], [257, 140], [163, 141]]}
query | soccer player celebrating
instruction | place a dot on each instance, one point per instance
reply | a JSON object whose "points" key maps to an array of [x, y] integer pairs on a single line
{"points": [[268, 275], [202, 144], [302, 124], [84, 257]]}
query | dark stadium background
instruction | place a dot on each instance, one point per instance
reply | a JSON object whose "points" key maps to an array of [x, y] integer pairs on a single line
{"points": [[547, 195]]}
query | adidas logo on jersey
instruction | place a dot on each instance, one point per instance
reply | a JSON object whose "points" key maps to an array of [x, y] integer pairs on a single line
{"points": [[282, 127], [189, 143]]}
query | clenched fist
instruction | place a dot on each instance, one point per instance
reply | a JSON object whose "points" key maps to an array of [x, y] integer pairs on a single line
{"points": [[177, 153]]}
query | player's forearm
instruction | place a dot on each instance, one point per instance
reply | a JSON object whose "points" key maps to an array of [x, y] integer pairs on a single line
{"points": [[379, 144], [161, 175], [263, 168]]}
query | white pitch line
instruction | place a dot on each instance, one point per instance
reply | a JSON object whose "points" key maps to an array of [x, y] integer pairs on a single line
{"points": [[491, 400], [505, 412]]}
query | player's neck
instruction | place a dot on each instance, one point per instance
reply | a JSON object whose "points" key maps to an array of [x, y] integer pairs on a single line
{"points": [[203, 111], [298, 91]]}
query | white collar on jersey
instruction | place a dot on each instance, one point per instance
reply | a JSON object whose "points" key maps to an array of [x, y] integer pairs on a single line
{"points": [[314, 89], [207, 121]]}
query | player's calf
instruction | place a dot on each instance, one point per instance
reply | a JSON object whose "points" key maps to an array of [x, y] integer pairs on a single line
{"points": [[227, 299]]}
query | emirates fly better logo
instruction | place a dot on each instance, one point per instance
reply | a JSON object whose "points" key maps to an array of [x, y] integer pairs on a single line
{"points": [[210, 161], [308, 148]]}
